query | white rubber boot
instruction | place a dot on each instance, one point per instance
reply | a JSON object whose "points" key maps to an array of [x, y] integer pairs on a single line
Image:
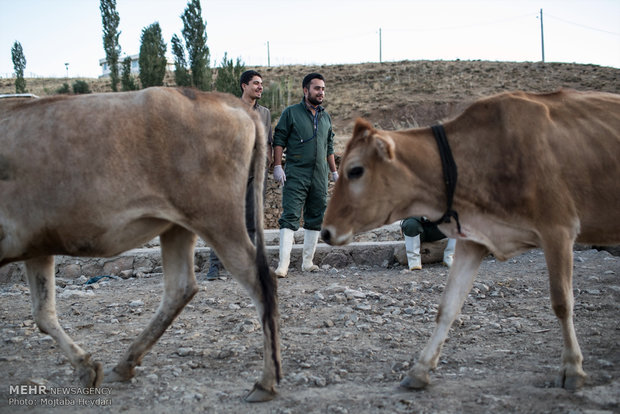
{"points": [[311, 238], [286, 245], [448, 254], [412, 247]]}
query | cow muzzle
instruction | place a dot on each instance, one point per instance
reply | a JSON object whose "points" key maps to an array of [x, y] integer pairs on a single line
{"points": [[330, 236]]}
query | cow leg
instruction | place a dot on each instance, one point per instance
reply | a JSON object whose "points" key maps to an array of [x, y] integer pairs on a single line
{"points": [[467, 260], [559, 256], [239, 259], [40, 274], [177, 250]]}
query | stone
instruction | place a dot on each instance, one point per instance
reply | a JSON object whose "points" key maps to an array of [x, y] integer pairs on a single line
{"points": [[70, 271], [336, 258], [185, 351], [117, 265]]}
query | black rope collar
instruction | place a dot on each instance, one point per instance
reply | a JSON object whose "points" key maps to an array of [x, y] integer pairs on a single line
{"points": [[449, 174]]}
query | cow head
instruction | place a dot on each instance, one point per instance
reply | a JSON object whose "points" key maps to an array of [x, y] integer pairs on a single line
{"points": [[376, 186]]}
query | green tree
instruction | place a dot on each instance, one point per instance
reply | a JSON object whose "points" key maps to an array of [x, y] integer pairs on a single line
{"points": [[127, 81], [110, 20], [181, 74], [19, 64], [228, 75], [195, 34], [152, 60]]}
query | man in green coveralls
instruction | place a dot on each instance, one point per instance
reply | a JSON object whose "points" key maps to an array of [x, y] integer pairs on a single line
{"points": [[305, 131], [418, 230]]}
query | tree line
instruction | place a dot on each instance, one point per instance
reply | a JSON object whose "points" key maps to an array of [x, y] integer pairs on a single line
{"points": [[191, 57]]}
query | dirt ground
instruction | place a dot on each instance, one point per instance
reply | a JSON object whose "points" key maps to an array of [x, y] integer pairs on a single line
{"points": [[348, 337]]}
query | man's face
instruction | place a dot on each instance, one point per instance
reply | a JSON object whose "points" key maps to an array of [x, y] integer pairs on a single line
{"points": [[315, 92], [254, 88]]}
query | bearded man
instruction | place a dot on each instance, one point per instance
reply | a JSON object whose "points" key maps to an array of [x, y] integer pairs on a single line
{"points": [[305, 132]]}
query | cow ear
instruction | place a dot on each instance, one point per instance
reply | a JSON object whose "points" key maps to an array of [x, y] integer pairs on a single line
{"points": [[362, 128], [385, 146]]}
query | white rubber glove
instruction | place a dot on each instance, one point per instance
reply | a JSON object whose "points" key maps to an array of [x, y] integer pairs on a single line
{"points": [[335, 176], [278, 174]]}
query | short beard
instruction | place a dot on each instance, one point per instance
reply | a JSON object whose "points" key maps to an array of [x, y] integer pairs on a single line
{"points": [[313, 101]]}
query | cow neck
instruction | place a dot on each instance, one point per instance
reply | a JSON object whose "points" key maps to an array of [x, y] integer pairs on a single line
{"points": [[449, 174]]}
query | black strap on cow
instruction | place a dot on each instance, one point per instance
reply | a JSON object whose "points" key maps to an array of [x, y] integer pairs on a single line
{"points": [[449, 174]]}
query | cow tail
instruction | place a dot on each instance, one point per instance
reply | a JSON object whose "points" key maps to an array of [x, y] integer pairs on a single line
{"points": [[266, 278]]}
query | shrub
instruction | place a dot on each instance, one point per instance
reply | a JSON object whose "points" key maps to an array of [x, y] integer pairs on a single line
{"points": [[277, 95], [64, 89], [80, 86]]}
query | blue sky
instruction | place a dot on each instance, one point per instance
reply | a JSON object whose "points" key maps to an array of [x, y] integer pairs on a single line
{"points": [[54, 32]]}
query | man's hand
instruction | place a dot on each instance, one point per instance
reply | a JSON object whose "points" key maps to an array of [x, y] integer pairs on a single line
{"points": [[334, 176], [278, 174]]}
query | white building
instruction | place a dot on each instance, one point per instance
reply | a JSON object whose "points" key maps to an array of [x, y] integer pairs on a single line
{"points": [[105, 68], [135, 67]]}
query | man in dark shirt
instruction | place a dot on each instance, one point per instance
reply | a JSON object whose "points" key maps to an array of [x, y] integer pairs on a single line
{"points": [[251, 83]]}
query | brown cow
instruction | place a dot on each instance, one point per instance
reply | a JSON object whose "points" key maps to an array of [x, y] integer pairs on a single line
{"points": [[533, 171], [12, 99], [99, 174]]}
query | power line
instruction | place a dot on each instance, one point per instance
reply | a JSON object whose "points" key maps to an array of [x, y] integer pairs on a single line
{"points": [[363, 36], [328, 39], [582, 25], [464, 26]]}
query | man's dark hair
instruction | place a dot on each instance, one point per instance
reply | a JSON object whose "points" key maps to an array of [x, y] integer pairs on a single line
{"points": [[247, 76], [309, 77]]}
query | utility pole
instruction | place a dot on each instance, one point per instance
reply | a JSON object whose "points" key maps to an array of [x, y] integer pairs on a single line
{"points": [[67, 67], [268, 56], [380, 60], [542, 36]]}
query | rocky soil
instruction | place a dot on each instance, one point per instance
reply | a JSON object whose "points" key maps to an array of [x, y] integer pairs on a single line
{"points": [[348, 337]]}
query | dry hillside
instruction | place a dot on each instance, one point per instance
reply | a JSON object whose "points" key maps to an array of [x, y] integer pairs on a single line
{"points": [[418, 93], [401, 94], [404, 94]]}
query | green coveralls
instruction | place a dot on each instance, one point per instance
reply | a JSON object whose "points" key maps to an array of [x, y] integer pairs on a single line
{"points": [[306, 165]]}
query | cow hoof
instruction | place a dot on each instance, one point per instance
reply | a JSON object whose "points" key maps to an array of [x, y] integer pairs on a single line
{"points": [[570, 383], [415, 383], [260, 394], [91, 375], [112, 375]]}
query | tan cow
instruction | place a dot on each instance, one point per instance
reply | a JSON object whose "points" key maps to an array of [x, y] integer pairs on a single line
{"points": [[99, 174], [533, 171]]}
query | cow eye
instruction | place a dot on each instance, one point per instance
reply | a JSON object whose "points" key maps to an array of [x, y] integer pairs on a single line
{"points": [[355, 173]]}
